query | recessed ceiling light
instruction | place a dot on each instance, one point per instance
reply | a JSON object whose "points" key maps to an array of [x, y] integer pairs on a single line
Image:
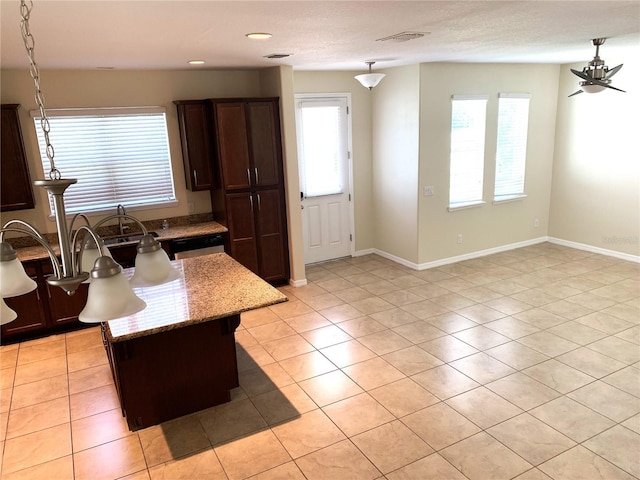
{"points": [[196, 62], [258, 35]]}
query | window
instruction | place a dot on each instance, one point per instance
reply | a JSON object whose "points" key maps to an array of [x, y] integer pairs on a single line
{"points": [[322, 145], [468, 118], [511, 146], [119, 156]]}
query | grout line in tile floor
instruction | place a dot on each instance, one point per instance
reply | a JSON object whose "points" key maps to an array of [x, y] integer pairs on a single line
{"points": [[523, 364]]}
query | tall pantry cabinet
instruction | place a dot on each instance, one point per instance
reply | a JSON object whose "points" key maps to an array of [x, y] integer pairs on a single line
{"points": [[248, 194]]}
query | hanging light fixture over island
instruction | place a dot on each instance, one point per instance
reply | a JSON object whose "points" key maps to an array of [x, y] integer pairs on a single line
{"points": [[83, 256]]}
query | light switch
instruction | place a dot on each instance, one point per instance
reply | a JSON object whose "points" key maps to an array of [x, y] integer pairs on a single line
{"points": [[428, 190]]}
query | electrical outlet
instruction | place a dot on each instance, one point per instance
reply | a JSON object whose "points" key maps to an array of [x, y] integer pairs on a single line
{"points": [[536, 223], [192, 207], [428, 190], [459, 238]]}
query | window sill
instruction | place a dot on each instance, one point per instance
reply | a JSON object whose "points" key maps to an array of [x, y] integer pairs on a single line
{"points": [[464, 206], [509, 198]]}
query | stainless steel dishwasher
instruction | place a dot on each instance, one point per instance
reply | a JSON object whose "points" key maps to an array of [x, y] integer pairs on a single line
{"points": [[197, 246]]}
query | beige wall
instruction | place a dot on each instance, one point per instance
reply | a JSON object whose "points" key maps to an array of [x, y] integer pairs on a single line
{"points": [[400, 142], [343, 82], [596, 176], [396, 137], [488, 226], [67, 88]]}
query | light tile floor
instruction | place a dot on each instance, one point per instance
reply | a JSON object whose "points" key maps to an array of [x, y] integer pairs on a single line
{"points": [[523, 364]]}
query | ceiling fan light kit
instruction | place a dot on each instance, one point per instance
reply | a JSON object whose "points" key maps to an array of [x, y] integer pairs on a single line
{"points": [[370, 80], [596, 76]]}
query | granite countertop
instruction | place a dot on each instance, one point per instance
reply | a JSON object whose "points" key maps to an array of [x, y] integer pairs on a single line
{"points": [[184, 231], [193, 230], [211, 287]]}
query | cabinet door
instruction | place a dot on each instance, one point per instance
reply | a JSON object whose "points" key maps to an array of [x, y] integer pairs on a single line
{"points": [[197, 150], [264, 142], [233, 150], [124, 255], [15, 190], [271, 235], [29, 307], [65, 308], [242, 235]]}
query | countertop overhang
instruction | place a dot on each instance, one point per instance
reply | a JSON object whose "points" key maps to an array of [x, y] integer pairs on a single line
{"points": [[211, 287]]}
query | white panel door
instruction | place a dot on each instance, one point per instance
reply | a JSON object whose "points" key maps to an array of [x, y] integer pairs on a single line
{"points": [[323, 154]]}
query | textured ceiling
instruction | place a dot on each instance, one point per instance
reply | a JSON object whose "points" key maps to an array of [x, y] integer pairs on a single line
{"points": [[319, 35]]}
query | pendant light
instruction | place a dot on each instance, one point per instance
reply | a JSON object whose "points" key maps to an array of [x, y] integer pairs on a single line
{"points": [[369, 80], [6, 314], [14, 281], [110, 295]]}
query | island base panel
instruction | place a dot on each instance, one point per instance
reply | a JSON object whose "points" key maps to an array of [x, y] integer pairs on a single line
{"points": [[174, 373]]}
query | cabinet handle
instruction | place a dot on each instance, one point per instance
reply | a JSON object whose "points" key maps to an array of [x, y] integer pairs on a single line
{"points": [[251, 200], [195, 178], [258, 195], [249, 176], [255, 170]]}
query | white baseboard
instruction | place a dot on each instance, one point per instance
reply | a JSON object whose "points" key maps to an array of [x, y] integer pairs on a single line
{"points": [[298, 283], [489, 251], [481, 253], [360, 253], [459, 258], [592, 249]]}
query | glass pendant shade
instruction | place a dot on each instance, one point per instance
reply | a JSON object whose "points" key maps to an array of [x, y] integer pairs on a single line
{"points": [[370, 80], [89, 257], [152, 264], [110, 296], [153, 268], [14, 280], [6, 314], [593, 88]]}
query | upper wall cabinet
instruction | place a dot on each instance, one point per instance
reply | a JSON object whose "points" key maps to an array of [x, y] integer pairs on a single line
{"points": [[198, 154], [248, 137], [15, 188]]}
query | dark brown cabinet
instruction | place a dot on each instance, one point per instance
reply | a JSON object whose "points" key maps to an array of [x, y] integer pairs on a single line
{"points": [[250, 200], [30, 308], [248, 140], [44, 311], [194, 120], [256, 232], [63, 308], [16, 192]]}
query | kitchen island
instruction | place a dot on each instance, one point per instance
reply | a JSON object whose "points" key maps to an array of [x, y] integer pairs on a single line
{"points": [[178, 356]]}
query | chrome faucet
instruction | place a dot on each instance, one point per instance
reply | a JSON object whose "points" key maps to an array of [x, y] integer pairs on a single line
{"points": [[121, 211]]}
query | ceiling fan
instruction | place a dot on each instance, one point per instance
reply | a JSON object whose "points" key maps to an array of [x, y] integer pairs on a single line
{"points": [[596, 76]]}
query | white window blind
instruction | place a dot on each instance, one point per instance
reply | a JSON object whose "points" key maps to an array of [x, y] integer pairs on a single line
{"points": [[468, 119], [119, 156], [321, 143], [511, 146]]}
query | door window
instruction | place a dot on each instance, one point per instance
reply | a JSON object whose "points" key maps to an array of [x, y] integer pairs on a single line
{"points": [[322, 146]]}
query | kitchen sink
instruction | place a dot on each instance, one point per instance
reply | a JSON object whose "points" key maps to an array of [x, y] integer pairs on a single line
{"points": [[126, 238]]}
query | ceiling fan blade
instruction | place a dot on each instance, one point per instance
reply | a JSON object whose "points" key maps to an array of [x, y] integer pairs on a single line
{"points": [[580, 74], [609, 86], [613, 71], [575, 93], [583, 75]]}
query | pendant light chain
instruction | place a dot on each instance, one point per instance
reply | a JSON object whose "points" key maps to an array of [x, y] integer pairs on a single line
{"points": [[29, 44]]}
